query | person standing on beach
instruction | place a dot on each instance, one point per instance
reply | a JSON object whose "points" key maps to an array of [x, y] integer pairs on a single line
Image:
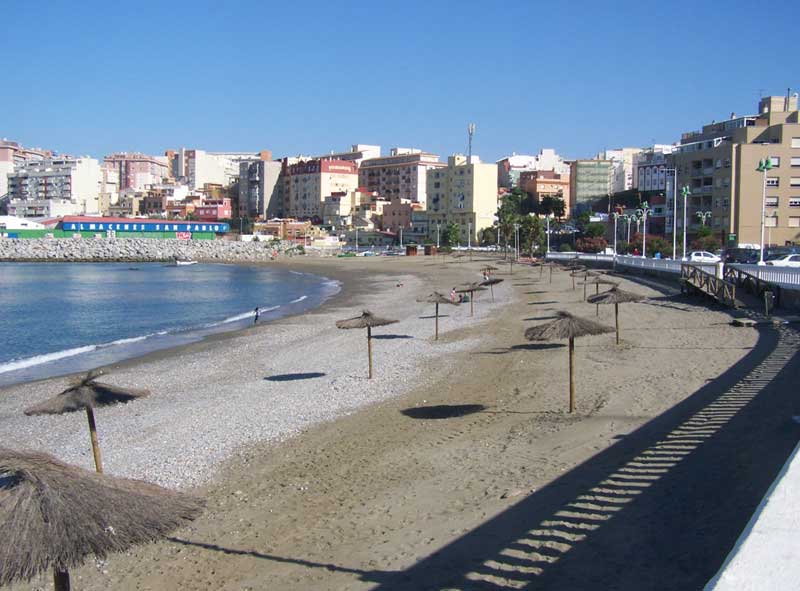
{"points": [[255, 319]]}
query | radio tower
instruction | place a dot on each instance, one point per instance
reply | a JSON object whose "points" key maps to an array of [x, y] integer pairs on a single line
{"points": [[471, 132]]}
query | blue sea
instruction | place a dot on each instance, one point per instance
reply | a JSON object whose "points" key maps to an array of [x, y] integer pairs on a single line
{"points": [[59, 318]]}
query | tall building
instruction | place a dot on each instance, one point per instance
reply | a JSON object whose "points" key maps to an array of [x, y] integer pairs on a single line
{"points": [[650, 168], [463, 193], [137, 171], [510, 167], [357, 153], [198, 167], [61, 186], [307, 183], [12, 155], [719, 166], [260, 189], [589, 180], [539, 184], [402, 174], [623, 170]]}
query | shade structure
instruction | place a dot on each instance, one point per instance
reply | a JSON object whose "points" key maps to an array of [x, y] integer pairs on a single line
{"points": [[490, 283], [488, 269], [86, 393], [437, 298], [471, 288], [597, 282], [366, 320], [569, 327], [53, 516], [616, 296]]}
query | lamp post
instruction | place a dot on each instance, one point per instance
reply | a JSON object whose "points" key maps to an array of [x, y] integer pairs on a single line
{"points": [[703, 216], [356, 237], [674, 172], [763, 167], [516, 242], [469, 235], [547, 231], [437, 236], [685, 194], [641, 214], [616, 216], [401, 238]]}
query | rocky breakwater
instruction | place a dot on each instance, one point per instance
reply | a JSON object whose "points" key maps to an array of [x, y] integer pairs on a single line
{"points": [[139, 250]]}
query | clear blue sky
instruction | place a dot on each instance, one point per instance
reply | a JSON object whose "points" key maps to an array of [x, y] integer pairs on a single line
{"points": [[307, 77]]}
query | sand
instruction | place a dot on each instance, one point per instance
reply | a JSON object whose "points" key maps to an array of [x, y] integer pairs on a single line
{"points": [[458, 467]]}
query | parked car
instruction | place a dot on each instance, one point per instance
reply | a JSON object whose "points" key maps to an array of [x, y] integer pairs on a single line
{"points": [[743, 256], [703, 256], [787, 260]]}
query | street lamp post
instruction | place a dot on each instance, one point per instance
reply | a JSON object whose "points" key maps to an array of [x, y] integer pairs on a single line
{"points": [[516, 242], [356, 238], [547, 231], [437, 236], [703, 216], [401, 238], [616, 216], [763, 167], [674, 172], [685, 194], [641, 214], [469, 235]]}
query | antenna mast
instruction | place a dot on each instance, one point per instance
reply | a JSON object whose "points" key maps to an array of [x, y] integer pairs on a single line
{"points": [[471, 132]]}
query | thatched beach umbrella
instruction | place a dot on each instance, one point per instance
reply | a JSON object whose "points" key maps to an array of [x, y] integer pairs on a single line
{"points": [[597, 282], [53, 515], [471, 288], [87, 393], [488, 269], [490, 283], [616, 296], [437, 298], [369, 321], [570, 327]]}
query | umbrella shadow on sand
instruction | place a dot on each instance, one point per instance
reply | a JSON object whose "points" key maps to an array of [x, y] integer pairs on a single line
{"points": [[442, 411], [389, 337], [291, 377]]}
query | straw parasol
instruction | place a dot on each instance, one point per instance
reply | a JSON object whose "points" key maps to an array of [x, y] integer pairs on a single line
{"points": [[490, 283], [471, 288], [53, 515], [570, 327], [597, 282], [488, 269], [615, 296], [366, 320], [437, 298], [87, 393]]}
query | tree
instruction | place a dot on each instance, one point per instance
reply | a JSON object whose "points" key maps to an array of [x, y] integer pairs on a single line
{"points": [[488, 236], [531, 235], [450, 234], [591, 244], [594, 230]]}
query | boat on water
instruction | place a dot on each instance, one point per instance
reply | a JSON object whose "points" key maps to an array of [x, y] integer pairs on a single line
{"points": [[182, 263]]}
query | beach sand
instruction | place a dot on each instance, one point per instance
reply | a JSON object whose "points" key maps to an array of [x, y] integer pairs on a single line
{"points": [[458, 467]]}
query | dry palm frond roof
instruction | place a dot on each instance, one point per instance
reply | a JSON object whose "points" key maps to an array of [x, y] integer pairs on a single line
{"points": [[491, 281], [86, 392], [55, 515], [489, 268], [601, 281], [564, 327], [615, 296], [470, 287], [366, 319], [436, 297]]}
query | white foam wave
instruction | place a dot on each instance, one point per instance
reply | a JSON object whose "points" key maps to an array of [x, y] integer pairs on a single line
{"points": [[300, 299], [39, 359]]}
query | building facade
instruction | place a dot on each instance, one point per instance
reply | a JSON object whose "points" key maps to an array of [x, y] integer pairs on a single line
{"points": [[137, 171], [623, 169], [539, 184], [260, 189], [357, 153], [307, 183], [510, 167], [197, 167], [590, 180], [402, 174], [719, 166], [397, 215], [650, 168], [12, 154], [463, 193], [70, 185]]}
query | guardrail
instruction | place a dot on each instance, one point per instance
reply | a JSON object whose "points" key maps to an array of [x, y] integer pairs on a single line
{"points": [[662, 265], [723, 291], [786, 277]]}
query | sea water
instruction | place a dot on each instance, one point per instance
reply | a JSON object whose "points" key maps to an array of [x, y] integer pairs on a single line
{"points": [[58, 318]]}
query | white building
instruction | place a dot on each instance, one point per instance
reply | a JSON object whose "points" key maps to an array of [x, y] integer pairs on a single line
{"points": [[623, 171], [651, 165], [61, 186], [9, 222], [358, 153], [510, 167], [12, 155], [260, 189], [198, 167]]}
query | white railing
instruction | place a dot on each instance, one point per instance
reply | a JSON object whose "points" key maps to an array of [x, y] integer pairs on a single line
{"points": [[787, 277]]}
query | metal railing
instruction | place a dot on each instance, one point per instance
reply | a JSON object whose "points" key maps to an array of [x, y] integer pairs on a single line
{"points": [[787, 277]]}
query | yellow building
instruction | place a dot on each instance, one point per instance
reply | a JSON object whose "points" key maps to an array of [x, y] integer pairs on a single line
{"points": [[464, 193]]}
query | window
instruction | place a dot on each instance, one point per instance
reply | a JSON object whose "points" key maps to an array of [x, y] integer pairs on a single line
{"points": [[771, 202], [771, 221], [794, 222], [795, 161], [775, 161], [796, 142], [794, 181], [718, 164], [794, 201], [773, 181], [727, 163]]}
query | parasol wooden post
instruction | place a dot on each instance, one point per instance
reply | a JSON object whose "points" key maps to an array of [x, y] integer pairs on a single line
{"points": [[551, 274], [471, 299], [616, 319], [541, 270], [369, 349], [491, 289], [573, 282], [60, 579], [437, 321], [597, 306], [584, 290], [571, 375], [98, 463], [511, 262]]}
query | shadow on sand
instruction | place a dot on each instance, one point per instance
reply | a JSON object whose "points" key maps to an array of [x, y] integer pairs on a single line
{"points": [[442, 411], [389, 337], [291, 377]]}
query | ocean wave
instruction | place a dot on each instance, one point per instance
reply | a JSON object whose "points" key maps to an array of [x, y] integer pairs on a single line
{"points": [[47, 357], [300, 299]]}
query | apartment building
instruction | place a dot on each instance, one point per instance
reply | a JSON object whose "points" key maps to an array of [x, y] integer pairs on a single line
{"points": [[197, 167], [260, 189], [397, 214], [61, 186], [719, 165], [307, 183], [357, 153], [464, 193], [402, 174], [650, 168], [511, 167], [539, 184], [137, 171], [589, 180], [12, 154], [623, 170]]}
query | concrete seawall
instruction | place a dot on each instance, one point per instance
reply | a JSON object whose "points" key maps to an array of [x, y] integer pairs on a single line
{"points": [[138, 250]]}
